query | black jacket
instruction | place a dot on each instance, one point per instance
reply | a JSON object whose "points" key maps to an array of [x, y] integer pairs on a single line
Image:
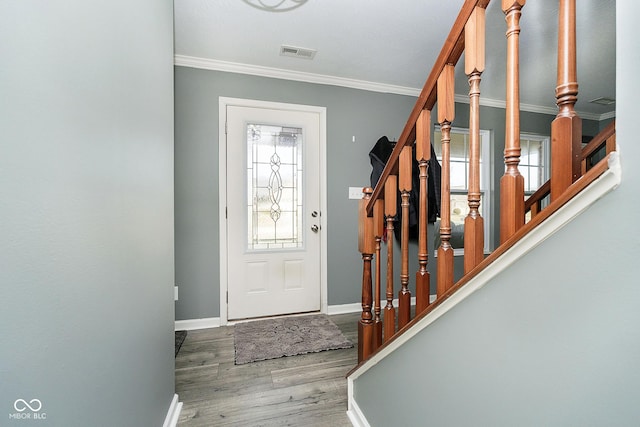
{"points": [[379, 155]]}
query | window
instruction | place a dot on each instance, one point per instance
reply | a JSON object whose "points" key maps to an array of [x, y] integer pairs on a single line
{"points": [[534, 164], [459, 155], [534, 161]]}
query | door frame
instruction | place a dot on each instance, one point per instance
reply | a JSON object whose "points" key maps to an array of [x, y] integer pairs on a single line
{"points": [[223, 103]]}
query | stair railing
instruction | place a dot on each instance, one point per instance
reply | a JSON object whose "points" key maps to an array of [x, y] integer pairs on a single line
{"points": [[377, 208]]}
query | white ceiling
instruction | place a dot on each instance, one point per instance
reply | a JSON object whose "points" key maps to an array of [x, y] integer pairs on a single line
{"points": [[395, 43]]}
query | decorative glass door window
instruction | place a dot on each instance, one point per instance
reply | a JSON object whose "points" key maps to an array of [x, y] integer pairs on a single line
{"points": [[274, 187]]}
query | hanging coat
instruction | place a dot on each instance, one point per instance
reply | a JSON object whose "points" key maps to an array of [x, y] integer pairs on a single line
{"points": [[379, 155]]}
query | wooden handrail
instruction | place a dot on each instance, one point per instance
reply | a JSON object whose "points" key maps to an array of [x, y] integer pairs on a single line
{"points": [[450, 54]]}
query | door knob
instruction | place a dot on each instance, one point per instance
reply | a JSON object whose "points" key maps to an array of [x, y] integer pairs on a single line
{"points": [[314, 228]]}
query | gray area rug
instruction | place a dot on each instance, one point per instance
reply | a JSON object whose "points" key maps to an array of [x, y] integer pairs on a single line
{"points": [[286, 336]]}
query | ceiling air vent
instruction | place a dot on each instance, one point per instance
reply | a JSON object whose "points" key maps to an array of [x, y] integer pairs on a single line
{"points": [[297, 52], [603, 101]]}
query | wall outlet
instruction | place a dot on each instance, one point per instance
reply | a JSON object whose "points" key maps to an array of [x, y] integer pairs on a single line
{"points": [[175, 293], [355, 193]]}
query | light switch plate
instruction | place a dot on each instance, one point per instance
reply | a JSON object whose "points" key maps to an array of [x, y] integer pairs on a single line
{"points": [[355, 193]]}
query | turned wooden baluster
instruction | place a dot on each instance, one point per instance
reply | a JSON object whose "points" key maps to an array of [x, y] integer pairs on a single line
{"points": [[474, 66], [404, 185], [423, 154], [566, 129], [366, 248], [446, 113], [512, 183], [378, 225], [390, 200]]}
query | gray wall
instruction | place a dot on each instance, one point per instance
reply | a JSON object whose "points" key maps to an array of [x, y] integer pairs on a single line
{"points": [[86, 202], [350, 112], [558, 347]]}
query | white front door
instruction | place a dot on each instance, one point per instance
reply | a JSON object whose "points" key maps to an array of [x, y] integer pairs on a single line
{"points": [[273, 212]]}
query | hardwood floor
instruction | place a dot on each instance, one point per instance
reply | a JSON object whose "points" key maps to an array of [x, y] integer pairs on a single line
{"points": [[305, 390]]}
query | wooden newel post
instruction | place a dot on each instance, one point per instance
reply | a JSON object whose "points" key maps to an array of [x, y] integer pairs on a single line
{"points": [[474, 66], [390, 211], [378, 226], [423, 154], [446, 114], [404, 185], [366, 246], [512, 183], [566, 129]]}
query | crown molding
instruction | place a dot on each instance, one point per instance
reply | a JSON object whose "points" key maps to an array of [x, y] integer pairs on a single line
{"points": [[301, 76], [609, 115]]}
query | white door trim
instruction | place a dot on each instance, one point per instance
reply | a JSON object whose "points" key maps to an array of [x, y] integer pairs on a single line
{"points": [[223, 102]]}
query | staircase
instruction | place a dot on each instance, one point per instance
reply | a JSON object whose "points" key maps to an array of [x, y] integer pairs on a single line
{"points": [[580, 175]]}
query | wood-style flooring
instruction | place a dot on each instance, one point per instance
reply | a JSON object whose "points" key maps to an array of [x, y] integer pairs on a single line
{"points": [[305, 390]]}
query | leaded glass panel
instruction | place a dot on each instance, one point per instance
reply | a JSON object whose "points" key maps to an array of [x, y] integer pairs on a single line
{"points": [[274, 187]]}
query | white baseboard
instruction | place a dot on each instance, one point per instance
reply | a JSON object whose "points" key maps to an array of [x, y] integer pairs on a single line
{"points": [[354, 413], [192, 324], [214, 322], [171, 420], [344, 308]]}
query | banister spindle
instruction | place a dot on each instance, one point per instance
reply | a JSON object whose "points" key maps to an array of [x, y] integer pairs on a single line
{"points": [[378, 225], [566, 128], [366, 248], [512, 183], [423, 154], [390, 210], [404, 185], [474, 66], [446, 114]]}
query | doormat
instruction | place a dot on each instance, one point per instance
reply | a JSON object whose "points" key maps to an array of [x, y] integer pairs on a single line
{"points": [[286, 336], [180, 337]]}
